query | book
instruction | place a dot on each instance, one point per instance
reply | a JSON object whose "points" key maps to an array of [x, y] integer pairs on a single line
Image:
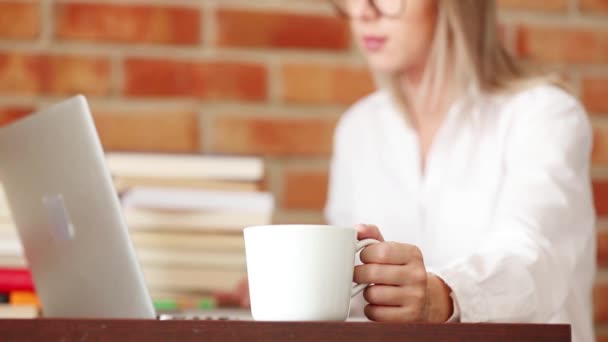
{"points": [[10, 245], [181, 303], [13, 261], [187, 300], [192, 259], [123, 184], [7, 226], [143, 219], [8, 311], [175, 166], [11, 249], [198, 200], [188, 241], [5, 212], [15, 279], [200, 280], [24, 298]]}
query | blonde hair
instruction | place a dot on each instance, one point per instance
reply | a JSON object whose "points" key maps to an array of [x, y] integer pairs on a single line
{"points": [[467, 39]]}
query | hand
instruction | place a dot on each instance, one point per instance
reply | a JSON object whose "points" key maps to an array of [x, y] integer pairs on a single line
{"points": [[237, 297], [403, 291]]}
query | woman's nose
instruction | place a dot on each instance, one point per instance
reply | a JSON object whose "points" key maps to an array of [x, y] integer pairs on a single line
{"points": [[368, 11]]}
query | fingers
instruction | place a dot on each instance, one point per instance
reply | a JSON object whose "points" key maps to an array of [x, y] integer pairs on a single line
{"points": [[368, 231], [383, 295], [380, 313], [380, 274], [399, 278], [391, 253], [390, 274]]}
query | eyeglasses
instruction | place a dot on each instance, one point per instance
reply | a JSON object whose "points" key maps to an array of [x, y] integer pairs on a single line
{"points": [[356, 8]]}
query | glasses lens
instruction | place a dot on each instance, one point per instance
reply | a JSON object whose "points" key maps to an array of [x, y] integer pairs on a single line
{"points": [[355, 8], [389, 7]]}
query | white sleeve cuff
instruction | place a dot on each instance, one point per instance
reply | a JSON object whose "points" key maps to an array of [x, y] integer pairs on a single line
{"points": [[455, 318], [467, 298]]}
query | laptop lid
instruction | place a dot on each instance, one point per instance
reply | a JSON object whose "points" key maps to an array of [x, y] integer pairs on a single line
{"points": [[68, 216]]}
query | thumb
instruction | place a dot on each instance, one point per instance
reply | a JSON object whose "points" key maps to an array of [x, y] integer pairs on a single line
{"points": [[368, 231]]}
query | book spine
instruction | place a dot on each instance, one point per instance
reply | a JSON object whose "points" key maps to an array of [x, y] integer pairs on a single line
{"points": [[15, 280], [24, 298]]}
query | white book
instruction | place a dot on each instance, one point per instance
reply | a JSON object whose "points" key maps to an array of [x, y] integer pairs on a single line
{"points": [[7, 226], [13, 261], [198, 200], [185, 166], [191, 259], [196, 280], [4, 210], [10, 246], [188, 241], [138, 219], [8, 311]]}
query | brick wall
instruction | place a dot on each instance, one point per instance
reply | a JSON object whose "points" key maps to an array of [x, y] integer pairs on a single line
{"points": [[258, 77]]}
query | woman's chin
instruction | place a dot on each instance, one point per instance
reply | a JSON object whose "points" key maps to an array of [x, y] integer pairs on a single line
{"points": [[383, 64], [384, 68]]}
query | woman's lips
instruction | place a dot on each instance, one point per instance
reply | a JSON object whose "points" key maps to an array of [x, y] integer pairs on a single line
{"points": [[374, 43]]}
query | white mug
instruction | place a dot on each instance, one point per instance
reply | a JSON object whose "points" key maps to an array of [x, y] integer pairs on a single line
{"points": [[301, 272]]}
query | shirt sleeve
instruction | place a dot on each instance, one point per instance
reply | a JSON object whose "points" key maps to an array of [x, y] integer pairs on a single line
{"points": [[543, 223], [455, 318], [339, 206]]}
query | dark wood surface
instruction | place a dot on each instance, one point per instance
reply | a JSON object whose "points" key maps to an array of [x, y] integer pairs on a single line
{"points": [[149, 331]]}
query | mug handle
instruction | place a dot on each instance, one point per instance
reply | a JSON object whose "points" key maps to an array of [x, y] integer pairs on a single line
{"points": [[360, 245]]}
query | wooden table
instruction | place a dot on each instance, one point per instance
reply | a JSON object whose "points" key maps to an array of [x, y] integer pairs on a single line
{"points": [[149, 331]]}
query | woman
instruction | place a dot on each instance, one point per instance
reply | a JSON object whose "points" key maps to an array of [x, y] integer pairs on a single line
{"points": [[476, 170]]}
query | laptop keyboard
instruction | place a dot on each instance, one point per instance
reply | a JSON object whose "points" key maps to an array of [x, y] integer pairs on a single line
{"points": [[207, 315]]}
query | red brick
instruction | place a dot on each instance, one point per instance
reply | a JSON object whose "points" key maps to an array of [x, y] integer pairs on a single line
{"points": [[602, 248], [56, 75], [128, 23], [304, 189], [78, 74], [325, 84], [19, 20], [600, 145], [535, 5], [206, 80], [601, 337], [562, 44], [600, 303], [11, 114], [595, 94], [151, 131], [22, 74], [600, 194], [598, 6], [238, 28], [273, 136]]}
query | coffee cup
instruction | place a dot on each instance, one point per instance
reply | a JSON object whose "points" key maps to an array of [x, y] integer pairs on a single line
{"points": [[302, 272]]}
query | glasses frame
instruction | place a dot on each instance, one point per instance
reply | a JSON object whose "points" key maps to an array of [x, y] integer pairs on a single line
{"points": [[343, 13]]}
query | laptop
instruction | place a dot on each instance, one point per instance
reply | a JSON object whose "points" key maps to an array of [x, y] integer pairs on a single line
{"points": [[69, 218]]}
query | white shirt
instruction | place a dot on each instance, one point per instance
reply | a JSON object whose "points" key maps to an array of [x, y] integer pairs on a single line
{"points": [[503, 211]]}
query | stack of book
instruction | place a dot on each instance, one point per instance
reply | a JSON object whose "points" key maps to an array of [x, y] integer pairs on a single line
{"points": [[17, 295], [11, 252], [186, 215]]}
